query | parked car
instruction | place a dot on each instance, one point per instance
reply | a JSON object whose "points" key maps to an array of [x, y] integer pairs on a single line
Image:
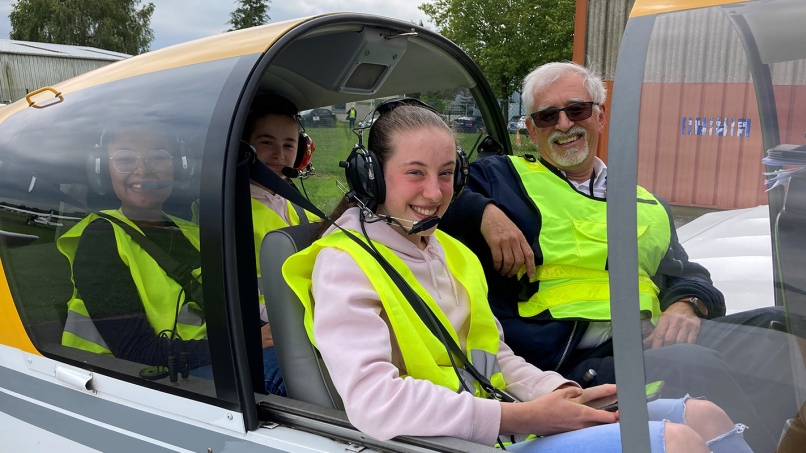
{"points": [[468, 124], [517, 123], [318, 117]]}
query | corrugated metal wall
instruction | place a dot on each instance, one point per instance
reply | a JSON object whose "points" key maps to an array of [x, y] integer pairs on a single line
{"points": [[605, 25], [21, 74], [701, 46], [701, 169], [697, 78], [697, 73]]}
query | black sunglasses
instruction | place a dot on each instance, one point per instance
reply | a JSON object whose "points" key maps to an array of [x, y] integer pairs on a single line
{"points": [[575, 111]]}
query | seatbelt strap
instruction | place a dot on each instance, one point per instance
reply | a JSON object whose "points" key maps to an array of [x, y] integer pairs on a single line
{"points": [[261, 174], [181, 273], [303, 218]]}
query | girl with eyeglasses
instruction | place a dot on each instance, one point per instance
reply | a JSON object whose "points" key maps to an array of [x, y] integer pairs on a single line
{"points": [[124, 304]]}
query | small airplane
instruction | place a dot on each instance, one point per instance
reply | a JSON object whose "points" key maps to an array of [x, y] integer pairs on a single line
{"points": [[55, 397], [40, 218]]}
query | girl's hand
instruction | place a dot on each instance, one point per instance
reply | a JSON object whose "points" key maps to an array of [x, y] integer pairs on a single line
{"points": [[557, 412], [594, 393]]}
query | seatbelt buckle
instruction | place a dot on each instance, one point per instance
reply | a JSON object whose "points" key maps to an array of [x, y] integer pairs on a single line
{"points": [[248, 152], [500, 395], [182, 273]]}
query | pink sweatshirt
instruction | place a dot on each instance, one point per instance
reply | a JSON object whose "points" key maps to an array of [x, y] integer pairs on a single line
{"points": [[277, 204], [272, 201], [364, 361]]}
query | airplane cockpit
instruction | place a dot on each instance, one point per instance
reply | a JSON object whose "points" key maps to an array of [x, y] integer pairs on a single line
{"points": [[706, 114], [180, 113], [703, 92]]}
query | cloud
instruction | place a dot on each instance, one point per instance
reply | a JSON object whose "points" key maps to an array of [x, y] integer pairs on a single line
{"points": [[405, 10], [177, 21], [5, 25]]}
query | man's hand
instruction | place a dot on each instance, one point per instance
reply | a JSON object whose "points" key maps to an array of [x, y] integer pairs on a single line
{"points": [[678, 324], [557, 412], [265, 336], [507, 244]]}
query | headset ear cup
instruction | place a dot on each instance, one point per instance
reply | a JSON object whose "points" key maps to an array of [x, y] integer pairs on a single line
{"points": [[460, 173], [305, 151], [356, 175], [364, 177], [379, 185]]}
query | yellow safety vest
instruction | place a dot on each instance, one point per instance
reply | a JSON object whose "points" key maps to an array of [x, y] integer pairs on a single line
{"points": [[424, 356], [158, 292], [573, 280], [264, 219]]}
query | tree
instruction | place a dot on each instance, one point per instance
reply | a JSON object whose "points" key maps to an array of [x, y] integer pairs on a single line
{"points": [[116, 25], [250, 13], [507, 38]]}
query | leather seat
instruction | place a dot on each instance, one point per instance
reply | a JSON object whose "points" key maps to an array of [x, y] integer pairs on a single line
{"points": [[304, 372]]}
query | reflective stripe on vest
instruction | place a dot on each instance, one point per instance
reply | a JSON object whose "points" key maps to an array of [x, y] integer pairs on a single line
{"points": [[158, 292], [574, 282], [264, 219], [424, 356]]}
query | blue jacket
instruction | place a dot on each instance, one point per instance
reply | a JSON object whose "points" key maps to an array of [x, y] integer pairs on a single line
{"points": [[543, 342]]}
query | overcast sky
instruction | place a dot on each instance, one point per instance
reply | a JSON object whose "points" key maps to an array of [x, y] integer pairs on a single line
{"points": [[176, 21]]}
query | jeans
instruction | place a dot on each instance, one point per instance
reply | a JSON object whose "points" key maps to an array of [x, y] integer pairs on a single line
{"points": [[204, 372], [754, 373], [607, 438], [273, 378], [271, 373]]}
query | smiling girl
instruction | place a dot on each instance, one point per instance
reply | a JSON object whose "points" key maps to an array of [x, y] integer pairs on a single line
{"points": [[124, 304], [393, 375]]}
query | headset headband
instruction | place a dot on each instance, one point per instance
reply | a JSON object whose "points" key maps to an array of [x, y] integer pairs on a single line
{"points": [[363, 171]]}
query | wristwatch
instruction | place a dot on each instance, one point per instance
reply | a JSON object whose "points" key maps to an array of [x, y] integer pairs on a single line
{"points": [[699, 307]]}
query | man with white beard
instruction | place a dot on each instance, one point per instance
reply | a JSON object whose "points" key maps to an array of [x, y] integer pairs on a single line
{"points": [[539, 227]]}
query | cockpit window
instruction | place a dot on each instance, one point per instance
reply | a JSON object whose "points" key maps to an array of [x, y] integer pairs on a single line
{"points": [[333, 136], [99, 219]]}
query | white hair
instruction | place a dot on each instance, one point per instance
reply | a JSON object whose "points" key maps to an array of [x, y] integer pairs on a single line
{"points": [[543, 76]]}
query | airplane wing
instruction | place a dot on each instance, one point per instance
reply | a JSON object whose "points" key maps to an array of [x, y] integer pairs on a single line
{"points": [[24, 211], [65, 217], [39, 214]]}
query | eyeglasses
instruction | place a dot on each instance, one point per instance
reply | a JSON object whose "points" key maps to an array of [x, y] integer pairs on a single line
{"points": [[156, 160], [575, 111]]}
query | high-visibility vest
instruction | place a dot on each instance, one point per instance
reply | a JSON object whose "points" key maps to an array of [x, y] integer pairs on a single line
{"points": [[424, 355], [264, 219], [158, 292], [573, 279]]}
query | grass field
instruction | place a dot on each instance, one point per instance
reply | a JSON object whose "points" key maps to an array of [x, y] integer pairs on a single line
{"points": [[39, 275], [334, 144], [16, 222]]}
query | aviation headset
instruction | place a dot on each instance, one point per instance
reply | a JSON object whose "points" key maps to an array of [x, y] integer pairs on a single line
{"points": [[97, 160], [363, 171], [268, 104]]}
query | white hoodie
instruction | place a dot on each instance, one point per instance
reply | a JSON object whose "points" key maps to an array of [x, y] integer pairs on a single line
{"points": [[364, 361]]}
